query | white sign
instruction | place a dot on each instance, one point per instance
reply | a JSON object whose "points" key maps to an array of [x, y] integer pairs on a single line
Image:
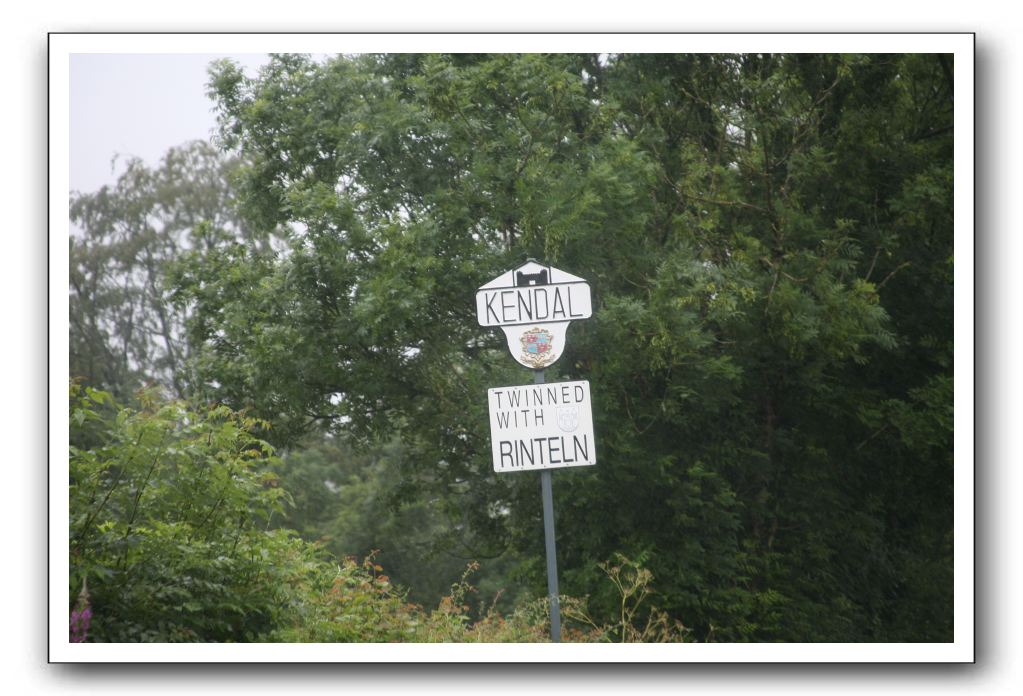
{"points": [[534, 304], [541, 426]]}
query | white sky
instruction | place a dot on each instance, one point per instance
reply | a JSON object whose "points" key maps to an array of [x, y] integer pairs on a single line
{"points": [[140, 105]]}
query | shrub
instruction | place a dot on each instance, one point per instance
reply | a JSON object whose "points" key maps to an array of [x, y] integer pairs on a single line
{"points": [[170, 540], [168, 508]]}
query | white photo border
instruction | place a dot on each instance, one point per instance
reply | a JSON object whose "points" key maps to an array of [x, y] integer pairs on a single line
{"points": [[961, 45]]}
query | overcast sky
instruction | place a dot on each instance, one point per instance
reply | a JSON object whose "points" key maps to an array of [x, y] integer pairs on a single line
{"points": [[137, 104]]}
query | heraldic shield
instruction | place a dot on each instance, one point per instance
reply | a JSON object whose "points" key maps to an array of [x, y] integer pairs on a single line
{"points": [[539, 296], [537, 347], [568, 418]]}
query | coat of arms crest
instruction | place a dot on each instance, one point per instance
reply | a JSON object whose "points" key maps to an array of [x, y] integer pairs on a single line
{"points": [[537, 347], [568, 418]]}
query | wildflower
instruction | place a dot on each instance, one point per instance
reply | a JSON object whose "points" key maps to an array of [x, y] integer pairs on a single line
{"points": [[80, 616]]}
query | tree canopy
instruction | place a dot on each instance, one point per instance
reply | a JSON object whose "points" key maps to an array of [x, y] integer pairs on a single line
{"points": [[124, 332]]}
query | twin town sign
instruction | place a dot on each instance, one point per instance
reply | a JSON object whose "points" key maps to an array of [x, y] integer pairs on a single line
{"points": [[534, 305], [541, 426]]}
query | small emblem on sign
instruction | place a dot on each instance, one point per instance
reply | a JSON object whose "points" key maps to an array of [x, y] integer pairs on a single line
{"points": [[568, 418], [537, 347]]}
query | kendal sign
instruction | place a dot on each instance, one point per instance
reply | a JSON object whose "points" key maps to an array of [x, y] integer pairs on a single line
{"points": [[534, 304], [541, 426]]}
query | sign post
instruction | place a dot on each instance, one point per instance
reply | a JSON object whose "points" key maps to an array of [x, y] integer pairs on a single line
{"points": [[539, 427], [548, 539]]}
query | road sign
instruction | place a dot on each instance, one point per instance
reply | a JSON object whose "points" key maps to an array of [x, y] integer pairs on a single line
{"points": [[541, 426], [534, 304]]}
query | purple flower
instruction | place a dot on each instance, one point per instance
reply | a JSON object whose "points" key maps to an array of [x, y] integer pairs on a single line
{"points": [[80, 616]]}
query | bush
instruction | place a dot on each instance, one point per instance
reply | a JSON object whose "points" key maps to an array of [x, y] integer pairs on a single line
{"points": [[168, 509], [170, 541]]}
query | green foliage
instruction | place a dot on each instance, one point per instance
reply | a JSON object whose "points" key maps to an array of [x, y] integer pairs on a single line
{"points": [[124, 331], [631, 585], [352, 503], [769, 241], [168, 515], [168, 529], [362, 605], [357, 605]]}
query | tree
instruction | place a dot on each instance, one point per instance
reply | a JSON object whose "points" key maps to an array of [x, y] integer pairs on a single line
{"points": [[769, 241], [124, 332]]}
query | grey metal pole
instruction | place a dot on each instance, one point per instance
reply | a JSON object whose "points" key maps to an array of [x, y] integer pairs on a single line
{"points": [[548, 535]]}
